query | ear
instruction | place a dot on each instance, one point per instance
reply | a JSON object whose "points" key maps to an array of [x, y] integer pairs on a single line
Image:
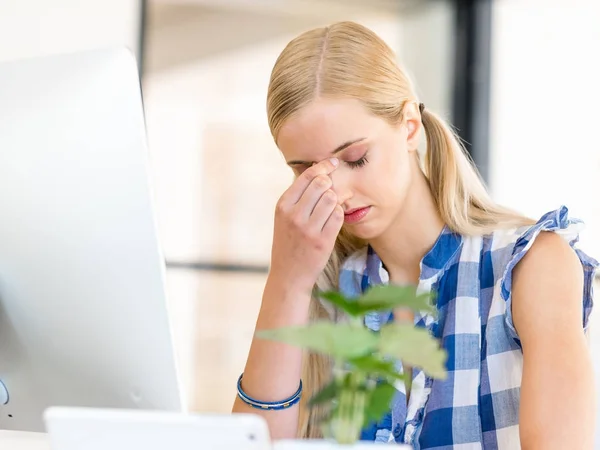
{"points": [[411, 120]]}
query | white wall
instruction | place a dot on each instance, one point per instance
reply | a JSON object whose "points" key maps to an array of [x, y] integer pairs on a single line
{"points": [[39, 27], [545, 115], [545, 108], [426, 53]]}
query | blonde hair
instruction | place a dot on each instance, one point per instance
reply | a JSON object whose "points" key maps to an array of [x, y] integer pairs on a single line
{"points": [[348, 60]]}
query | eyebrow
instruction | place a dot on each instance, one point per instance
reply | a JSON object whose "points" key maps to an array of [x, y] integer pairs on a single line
{"points": [[344, 146]]}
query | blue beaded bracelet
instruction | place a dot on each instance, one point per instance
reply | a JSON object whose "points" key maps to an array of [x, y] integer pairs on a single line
{"points": [[273, 406]]}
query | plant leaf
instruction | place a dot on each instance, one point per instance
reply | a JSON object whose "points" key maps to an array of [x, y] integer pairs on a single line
{"points": [[381, 298], [350, 307], [384, 297], [335, 339], [373, 365], [378, 402], [328, 393], [413, 346]]}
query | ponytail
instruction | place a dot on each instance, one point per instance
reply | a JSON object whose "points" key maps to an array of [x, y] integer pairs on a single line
{"points": [[460, 195]]}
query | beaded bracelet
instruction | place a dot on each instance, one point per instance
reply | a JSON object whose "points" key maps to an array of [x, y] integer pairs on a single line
{"points": [[273, 406]]}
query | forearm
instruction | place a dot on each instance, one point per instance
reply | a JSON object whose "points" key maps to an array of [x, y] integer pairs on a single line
{"points": [[273, 369]]}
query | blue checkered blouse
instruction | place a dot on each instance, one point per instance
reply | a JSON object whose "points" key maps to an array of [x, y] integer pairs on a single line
{"points": [[477, 405]]}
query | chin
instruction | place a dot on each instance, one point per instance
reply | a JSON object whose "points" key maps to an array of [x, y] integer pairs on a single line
{"points": [[364, 231]]}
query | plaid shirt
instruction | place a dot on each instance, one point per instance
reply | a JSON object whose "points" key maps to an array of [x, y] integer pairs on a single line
{"points": [[477, 405]]}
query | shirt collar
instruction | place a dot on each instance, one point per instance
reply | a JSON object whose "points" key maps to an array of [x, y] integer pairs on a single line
{"points": [[433, 264]]}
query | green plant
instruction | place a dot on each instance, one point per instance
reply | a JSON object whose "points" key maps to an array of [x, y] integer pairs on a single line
{"points": [[362, 385]]}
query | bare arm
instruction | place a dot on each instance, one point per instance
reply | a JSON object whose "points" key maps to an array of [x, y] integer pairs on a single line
{"points": [[307, 222], [557, 392], [273, 369]]}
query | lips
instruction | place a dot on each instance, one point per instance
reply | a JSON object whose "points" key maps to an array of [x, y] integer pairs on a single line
{"points": [[351, 211], [356, 214]]}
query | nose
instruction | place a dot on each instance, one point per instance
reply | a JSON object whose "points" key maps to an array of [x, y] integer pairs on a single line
{"points": [[342, 186]]}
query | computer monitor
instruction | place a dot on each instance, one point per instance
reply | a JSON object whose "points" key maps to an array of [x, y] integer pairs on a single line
{"points": [[83, 312]]}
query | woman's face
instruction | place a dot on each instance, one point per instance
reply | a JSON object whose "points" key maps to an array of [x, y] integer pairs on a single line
{"points": [[375, 170]]}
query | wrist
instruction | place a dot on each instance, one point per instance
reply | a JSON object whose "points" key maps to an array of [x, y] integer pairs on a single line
{"points": [[284, 305], [286, 287]]}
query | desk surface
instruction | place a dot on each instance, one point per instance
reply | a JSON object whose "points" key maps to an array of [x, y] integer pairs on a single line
{"points": [[16, 440]]}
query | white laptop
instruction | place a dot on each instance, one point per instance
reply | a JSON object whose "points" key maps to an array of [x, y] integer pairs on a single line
{"points": [[83, 313], [103, 429], [106, 429]]}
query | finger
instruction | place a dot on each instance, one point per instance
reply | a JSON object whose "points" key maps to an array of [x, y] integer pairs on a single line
{"points": [[334, 223], [313, 195], [322, 210], [295, 191]]}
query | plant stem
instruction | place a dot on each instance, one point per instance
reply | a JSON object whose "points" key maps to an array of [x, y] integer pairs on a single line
{"points": [[356, 321], [347, 421]]}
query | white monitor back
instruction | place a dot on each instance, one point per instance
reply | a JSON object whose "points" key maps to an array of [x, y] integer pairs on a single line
{"points": [[83, 314]]}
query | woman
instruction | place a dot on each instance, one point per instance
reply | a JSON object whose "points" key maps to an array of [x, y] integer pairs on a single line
{"points": [[513, 294]]}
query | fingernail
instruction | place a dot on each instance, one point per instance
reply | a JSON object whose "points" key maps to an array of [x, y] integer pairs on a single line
{"points": [[334, 161]]}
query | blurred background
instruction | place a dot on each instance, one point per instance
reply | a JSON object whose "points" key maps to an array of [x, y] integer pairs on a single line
{"points": [[518, 78]]}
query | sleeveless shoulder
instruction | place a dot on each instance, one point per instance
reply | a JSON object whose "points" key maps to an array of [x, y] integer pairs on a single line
{"points": [[510, 246]]}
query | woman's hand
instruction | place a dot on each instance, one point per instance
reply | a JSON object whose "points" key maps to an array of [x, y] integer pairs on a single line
{"points": [[308, 219]]}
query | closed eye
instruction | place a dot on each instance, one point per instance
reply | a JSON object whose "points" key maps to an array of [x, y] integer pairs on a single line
{"points": [[358, 163]]}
